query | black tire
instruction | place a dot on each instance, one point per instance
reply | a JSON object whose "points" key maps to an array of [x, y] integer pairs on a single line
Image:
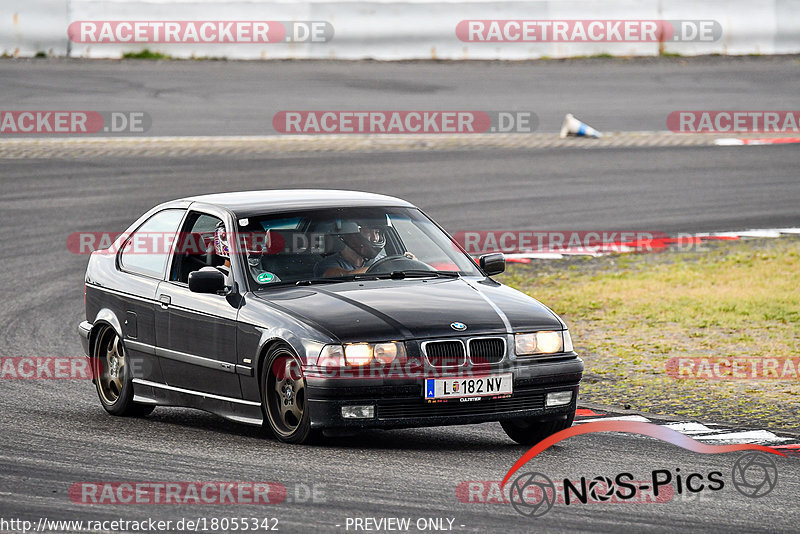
{"points": [[531, 431], [113, 379], [283, 399]]}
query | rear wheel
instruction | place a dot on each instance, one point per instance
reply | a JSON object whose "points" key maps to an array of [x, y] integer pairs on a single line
{"points": [[113, 378], [284, 396], [528, 431]]}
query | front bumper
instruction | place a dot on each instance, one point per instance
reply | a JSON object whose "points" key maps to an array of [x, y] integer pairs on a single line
{"points": [[400, 403], [85, 330]]}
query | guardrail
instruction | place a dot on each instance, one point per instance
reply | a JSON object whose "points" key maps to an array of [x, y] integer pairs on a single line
{"points": [[398, 30]]}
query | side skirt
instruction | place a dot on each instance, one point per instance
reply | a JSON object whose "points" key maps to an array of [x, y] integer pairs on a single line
{"points": [[238, 410]]}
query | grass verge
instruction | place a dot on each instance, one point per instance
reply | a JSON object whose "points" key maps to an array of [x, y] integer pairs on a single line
{"points": [[629, 314], [146, 54]]}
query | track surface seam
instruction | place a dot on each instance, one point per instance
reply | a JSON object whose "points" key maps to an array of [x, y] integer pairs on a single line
{"points": [[97, 147]]}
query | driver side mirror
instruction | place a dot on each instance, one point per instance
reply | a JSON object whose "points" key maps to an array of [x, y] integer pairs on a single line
{"points": [[492, 264], [206, 281]]}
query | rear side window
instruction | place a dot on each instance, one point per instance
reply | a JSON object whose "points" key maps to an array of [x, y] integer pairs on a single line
{"points": [[147, 250], [195, 248]]}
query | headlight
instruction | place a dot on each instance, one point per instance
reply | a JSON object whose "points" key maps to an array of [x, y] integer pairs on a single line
{"points": [[357, 354], [331, 356], [360, 354], [547, 342], [386, 353]]}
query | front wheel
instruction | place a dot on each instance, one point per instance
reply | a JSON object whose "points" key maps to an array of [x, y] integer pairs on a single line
{"points": [[529, 431], [113, 378], [284, 396]]}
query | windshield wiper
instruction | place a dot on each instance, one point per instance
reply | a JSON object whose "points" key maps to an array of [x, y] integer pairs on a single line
{"points": [[334, 279], [419, 273], [328, 280], [394, 275]]}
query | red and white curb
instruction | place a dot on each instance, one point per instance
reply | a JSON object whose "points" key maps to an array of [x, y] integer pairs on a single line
{"points": [[736, 141], [706, 433], [648, 245]]}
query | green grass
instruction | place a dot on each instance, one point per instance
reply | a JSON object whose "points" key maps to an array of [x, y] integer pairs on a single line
{"points": [[630, 313], [148, 54], [145, 54]]}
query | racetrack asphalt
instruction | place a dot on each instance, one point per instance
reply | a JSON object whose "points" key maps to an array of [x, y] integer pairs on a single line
{"points": [[54, 433], [241, 97]]}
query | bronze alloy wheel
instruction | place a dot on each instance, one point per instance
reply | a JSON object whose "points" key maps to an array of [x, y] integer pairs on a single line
{"points": [[110, 368], [112, 374], [285, 396]]}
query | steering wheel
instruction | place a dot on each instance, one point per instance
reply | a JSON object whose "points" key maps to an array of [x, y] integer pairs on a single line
{"points": [[397, 262]]}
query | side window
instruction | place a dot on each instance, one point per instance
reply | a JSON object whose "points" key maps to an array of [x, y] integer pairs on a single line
{"points": [[146, 251], [195, 247]]}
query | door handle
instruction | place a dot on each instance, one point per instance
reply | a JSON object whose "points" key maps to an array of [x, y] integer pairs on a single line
{"points": [[164, 300]]}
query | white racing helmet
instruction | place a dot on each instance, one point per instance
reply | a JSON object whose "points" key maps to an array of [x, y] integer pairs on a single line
{"points": [[221, 243]]}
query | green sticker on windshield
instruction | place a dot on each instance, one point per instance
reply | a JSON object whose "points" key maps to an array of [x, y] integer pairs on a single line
{"points": [[265, 278]]}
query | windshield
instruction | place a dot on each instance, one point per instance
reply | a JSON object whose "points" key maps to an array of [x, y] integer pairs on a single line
{"points": [[345, 243]]}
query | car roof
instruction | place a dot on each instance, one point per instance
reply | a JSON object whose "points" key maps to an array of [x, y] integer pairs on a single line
{"points": [[249, 203]]}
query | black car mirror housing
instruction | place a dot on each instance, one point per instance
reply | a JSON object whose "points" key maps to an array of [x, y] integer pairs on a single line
{"points": [[206, 281], [492, 264]]}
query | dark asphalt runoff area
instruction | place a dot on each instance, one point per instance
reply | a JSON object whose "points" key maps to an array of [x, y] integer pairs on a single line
{"points": [[241, 97], [54, 433]]}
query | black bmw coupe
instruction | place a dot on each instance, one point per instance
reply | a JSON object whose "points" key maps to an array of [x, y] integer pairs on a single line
{"points": [[317, 310]]}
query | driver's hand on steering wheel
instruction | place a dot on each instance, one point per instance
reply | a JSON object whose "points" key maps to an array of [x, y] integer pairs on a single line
{"points": [[410, 256]]}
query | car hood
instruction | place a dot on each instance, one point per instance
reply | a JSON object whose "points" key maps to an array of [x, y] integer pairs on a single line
{"points": [[384, 310]]}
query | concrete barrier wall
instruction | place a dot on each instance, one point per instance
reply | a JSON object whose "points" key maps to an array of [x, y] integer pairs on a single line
{"points": [[396, 30], [31, 26]]}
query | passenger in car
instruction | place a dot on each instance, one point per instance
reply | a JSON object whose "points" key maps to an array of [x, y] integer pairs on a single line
{"points": [[222, 249]]}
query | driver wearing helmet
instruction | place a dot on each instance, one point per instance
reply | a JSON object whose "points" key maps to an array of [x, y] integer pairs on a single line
{"points": [[360, 244]]}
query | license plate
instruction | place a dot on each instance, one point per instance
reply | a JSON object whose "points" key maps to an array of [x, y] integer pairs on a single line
{"points": [[478, 386]]}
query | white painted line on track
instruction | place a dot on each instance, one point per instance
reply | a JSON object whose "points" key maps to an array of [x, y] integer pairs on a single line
{"points": [[636, 418], [747, 436], [767, 232], [691, 429], [596, 252], [708, 433], [728, 141]]}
